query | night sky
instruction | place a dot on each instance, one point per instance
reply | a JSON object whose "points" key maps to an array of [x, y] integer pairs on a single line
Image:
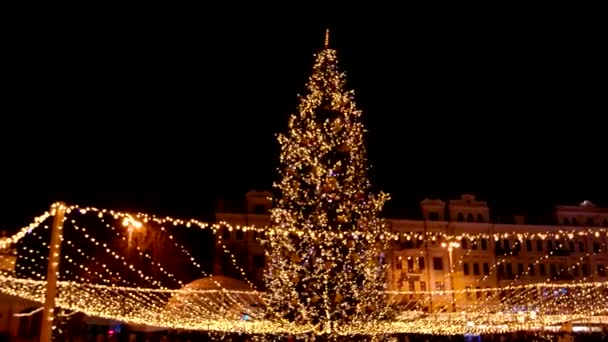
{"points": [[168, 110]]}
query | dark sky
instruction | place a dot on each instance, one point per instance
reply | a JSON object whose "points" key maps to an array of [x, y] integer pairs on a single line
{"points": [[166, 110]]}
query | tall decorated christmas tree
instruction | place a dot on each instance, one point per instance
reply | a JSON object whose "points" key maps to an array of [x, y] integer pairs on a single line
{"points": [[326, 252]]}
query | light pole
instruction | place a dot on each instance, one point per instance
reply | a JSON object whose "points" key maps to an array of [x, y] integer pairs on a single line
{"points": [[58, 210], [450, 246], [131, 225]]}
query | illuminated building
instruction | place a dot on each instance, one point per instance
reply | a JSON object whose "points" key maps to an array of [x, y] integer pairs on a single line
{"points": [[18, 317], [486, 255], [245, 246]]}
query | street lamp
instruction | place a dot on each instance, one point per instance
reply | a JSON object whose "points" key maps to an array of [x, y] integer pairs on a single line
{"points": [[132, 225], [450, 246]]}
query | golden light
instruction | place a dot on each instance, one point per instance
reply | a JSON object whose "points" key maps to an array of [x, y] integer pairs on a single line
{"points": [[131, 223]]}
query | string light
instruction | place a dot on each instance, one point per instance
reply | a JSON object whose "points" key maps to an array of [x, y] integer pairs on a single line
{"points": [[328, 250], [7, 242], [326, 267], [399, 236], [141, 305]]}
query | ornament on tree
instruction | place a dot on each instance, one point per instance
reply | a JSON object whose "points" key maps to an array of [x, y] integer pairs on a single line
{"points": [[330, 185], [325, 141], [338, 298], [295, 258], [336, 125], [306, 141]]}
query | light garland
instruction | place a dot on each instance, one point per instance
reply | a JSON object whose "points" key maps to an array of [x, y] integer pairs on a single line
{"points": [[328, 250], [555, 233], [111, 302], [214, 309], [326, 267], [7, 242]]}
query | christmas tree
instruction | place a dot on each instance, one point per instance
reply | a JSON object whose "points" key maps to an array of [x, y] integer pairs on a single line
{"points": [[326, 252]]}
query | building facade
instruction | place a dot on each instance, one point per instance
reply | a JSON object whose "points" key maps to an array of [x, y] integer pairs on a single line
{"points": [[455, 246], [15, 318], [242, 249]]}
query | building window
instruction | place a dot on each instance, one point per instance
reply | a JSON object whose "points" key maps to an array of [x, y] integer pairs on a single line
{"points": [[539, 245], [585, 270], [581, 247], [574, 221], [480, 218], [439, 286], [410, 264], [590, 222], [553, 270], [468, 292], [411, 286], [433, 216], [575, 271], [470, 217], [478, 292], [464, 243], [601, 270], [421, 263], [240, 235], [605, 223], [398, 263], [528, 245], [571, 246], [596, 247], [509, 271], [465, 268], [520, 269], [422, 286], [566, 221], [484, 244], [543, 270], [226, 234], [476, 269], [506, 245], [531, 270], [549, 245], [438, 264], [486, 268], [460, 217]]}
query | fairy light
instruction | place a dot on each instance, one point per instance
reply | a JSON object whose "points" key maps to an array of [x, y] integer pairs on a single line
{"points": [[114, 302], [6, 242], [209, 309], [327, 240], [574, 233], [326, 246]]}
